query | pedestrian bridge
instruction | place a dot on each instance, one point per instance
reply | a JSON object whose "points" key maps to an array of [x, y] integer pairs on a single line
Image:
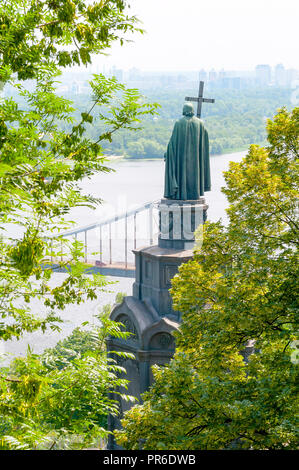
{"points": [[108, 243]]}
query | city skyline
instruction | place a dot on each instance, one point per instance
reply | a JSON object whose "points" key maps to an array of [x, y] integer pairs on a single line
{"points": [[249, 72], [231, 35], [262, 76]]}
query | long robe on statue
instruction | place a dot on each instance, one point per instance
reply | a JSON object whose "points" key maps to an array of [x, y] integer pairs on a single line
{"points": [[187, 172]]}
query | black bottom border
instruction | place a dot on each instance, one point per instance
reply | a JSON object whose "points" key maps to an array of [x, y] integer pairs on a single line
{"points": [[137, 459]]}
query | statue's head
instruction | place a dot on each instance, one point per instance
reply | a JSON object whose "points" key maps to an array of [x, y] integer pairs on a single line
{"points": [[188, 109]]}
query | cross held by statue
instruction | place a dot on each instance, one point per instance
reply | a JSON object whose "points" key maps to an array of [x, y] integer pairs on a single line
{"points": [[200, 99]]}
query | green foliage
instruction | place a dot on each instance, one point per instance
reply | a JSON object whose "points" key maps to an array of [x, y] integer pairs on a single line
{"points": [[41, 164], [58, 32], [81, 341], [232, 383], [60, 399]]}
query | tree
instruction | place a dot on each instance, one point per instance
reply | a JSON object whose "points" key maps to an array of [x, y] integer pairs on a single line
{"points": [[232, 382], [41, 166], [59, 399], [37, 34]]}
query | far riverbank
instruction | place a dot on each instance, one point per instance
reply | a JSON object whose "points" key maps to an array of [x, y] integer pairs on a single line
{"points": [[230, 151]]}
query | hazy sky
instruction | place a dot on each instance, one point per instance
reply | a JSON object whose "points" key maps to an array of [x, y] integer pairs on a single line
{"points": [[194, 34]]}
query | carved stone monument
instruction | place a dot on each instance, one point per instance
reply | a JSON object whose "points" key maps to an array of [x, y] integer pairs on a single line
{"points": [[149, 313]]}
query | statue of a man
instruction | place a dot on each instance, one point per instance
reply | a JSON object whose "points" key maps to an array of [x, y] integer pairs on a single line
{"points": [[187, 172]]}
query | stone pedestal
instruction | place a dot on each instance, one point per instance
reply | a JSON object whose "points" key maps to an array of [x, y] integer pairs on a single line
{"points": [[149, 313], [151, 343], [155, 267], [178, 221]]}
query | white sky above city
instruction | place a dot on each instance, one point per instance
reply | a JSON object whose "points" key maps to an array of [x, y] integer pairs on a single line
{"points": [[195, 34]]}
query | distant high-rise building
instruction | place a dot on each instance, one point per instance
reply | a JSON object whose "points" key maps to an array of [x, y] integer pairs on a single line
{"points": [[233, 83], [222, 74], [203, 75], [263, 74], [291, 76], [280, 75], [212, 75]]}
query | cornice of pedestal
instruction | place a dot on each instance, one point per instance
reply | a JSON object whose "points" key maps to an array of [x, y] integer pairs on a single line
{"points": [[156, 251], [191, 202]]}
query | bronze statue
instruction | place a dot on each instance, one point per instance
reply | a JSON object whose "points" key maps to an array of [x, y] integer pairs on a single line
{"points": [[187, 171]]}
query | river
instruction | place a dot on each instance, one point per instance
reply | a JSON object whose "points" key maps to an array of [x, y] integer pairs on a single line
{"points": [[132, 183]]}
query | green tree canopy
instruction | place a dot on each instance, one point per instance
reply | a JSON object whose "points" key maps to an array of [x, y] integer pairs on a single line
{"points": [[40, 163], [37, 33], [59, 399], [41, 166]]}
